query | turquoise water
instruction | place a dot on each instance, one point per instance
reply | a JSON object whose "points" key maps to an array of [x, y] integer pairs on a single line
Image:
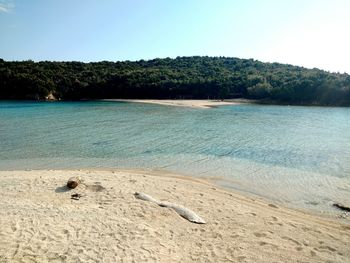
{"points": [[296, 155]]}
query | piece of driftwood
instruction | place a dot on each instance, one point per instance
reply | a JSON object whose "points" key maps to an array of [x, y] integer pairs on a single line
{"points": [[73, 182], [75, 196], [182, 211], [342, 207]]}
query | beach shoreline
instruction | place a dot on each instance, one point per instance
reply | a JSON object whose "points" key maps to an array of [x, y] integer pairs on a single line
{"points": [[199, 104], [41, 222]]}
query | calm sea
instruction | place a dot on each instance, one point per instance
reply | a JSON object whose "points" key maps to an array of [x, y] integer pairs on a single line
{"points": [[299, 156]]}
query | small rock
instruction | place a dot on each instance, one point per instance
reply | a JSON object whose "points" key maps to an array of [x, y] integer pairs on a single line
{"points": [[73, 182]]}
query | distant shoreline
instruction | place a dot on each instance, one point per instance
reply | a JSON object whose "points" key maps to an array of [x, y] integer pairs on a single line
{"points": [[205, 104], [191, 103], [202, 104]]}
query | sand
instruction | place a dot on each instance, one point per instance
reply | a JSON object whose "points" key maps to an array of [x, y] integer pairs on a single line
{"points": [[41, 223], [201, 104]]}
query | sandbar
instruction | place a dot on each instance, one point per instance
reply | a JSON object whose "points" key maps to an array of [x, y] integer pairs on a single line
{"points": [[201, 104]]}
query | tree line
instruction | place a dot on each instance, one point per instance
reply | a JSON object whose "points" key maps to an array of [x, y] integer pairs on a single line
{"points": [[179, 78]]}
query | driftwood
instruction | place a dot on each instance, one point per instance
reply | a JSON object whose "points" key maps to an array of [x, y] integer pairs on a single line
{"points": [[76, 196], [73, 182], [182, 211], [342, 207]]}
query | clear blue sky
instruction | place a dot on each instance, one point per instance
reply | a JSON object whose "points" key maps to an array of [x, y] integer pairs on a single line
{"points": [[311, 33]]}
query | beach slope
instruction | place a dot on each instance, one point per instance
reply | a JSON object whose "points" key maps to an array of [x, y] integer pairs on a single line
{"points": [[40, 222]]}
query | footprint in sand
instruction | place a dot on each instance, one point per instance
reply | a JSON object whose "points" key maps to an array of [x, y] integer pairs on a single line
{"points": [[292, 240], [260, 234], [95, 188], [274, 218], [325, 248]]}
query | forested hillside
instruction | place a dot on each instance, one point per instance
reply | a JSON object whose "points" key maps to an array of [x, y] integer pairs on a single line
{"points": [[183, 77]]}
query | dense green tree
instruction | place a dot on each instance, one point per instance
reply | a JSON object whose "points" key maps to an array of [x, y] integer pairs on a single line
{"points": [[183, 77]]}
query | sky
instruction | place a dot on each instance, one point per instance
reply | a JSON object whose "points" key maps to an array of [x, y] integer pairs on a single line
{"points": [[309, 33]]}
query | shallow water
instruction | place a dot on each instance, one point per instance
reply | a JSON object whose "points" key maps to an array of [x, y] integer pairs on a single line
{"points": [[296, 155]]}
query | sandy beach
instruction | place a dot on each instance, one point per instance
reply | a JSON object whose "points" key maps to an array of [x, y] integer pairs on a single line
{"points": [[201, 104], [41, 223]]}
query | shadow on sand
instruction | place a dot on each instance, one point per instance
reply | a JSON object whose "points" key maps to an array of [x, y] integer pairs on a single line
{"points": [[62, 189]]}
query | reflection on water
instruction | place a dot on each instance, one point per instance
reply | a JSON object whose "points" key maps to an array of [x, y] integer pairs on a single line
{"points": [[296, 155]]}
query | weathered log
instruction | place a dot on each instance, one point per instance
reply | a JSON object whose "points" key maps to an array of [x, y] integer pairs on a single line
{"points": [[73, 182], [182, 211]]}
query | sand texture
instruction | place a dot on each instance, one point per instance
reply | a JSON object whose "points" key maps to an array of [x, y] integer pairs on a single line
{"points": [[202, 104], [41, 223]]}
